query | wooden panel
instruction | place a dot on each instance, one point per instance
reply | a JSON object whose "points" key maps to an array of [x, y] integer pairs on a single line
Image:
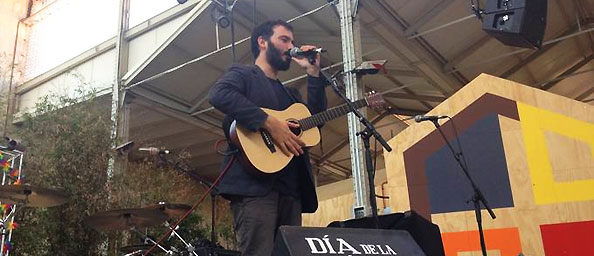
{"points": [[336, 201], [549, 153], [547, 140], [569, 168]]}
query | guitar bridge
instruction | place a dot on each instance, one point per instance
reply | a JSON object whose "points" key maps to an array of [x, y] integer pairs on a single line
{"points": [[267, 140]]}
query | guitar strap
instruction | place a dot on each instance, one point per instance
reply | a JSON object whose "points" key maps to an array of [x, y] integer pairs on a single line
{"points": [[288, 92]]}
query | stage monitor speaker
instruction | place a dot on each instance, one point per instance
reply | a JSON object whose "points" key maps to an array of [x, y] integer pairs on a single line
{"points": [[310, 241], [518, 23], [425, 233]]}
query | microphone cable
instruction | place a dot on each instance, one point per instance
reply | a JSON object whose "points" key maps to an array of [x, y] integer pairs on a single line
{"points": [[172, 227]]}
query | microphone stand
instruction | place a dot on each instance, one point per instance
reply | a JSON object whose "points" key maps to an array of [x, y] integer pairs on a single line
{"points": [[213, 194], [365, 135], [477, 197]]}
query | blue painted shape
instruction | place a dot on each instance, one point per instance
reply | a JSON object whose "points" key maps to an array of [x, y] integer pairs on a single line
{"points": [[482, 146]]}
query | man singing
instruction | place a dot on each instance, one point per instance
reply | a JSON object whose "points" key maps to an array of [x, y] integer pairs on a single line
{"points": [[260, 204]]}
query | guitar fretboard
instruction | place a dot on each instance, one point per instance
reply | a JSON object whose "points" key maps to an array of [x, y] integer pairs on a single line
{"points": [[330, 114]]}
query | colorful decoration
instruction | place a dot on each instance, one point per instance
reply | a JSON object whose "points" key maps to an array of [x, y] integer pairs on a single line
{"points": [[4, 208], [13, 225], [7, 246], [5, 166], [14, 173]]}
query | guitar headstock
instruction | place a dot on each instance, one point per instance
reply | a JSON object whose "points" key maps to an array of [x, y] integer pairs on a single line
{"points": [[375, 100]]}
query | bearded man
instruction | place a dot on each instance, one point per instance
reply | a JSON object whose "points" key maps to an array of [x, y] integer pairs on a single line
{"points": [[260, 204]]}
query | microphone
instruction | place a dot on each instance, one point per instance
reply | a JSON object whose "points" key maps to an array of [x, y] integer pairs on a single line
{"points": [[370, 67], [421, 118], [124, 148], [154, 151], [298, 53]]}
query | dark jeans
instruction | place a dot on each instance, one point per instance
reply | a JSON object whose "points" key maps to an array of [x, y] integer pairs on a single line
{"points": [[256, 220]]}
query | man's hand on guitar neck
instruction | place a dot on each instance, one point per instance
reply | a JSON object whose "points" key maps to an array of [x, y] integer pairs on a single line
{"points": [[288, 142]]}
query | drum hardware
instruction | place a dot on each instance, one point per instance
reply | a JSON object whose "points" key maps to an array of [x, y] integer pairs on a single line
{"points": [[31, 196], [134, 248], [134, 218], [174, 211], [189, 247], [139, 252], [207, 184], [27, 196], [151, 241], [171, 210], [126, 219]]}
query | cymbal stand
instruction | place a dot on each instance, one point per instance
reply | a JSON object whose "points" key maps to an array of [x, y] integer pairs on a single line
{"points": [[139, 252], [189, 247], [213, 194], [148, 239]]}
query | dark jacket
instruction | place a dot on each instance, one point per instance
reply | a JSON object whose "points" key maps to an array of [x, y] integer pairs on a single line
{"points": [[239, 93]]}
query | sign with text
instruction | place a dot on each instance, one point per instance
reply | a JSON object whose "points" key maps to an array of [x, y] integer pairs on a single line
{"points": [[310, 241]]}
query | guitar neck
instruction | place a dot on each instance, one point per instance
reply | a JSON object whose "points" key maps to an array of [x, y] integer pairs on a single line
{"points": [[330, 114]]}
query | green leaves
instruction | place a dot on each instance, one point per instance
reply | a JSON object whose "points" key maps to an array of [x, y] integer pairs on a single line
{"points": [[68, 147]]}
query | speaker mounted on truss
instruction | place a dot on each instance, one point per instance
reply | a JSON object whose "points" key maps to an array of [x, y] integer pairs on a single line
{"points": [[220, 13], [518, 23]]}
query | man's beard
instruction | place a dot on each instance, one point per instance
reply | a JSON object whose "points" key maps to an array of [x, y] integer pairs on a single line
{"points": [[275, 58]]}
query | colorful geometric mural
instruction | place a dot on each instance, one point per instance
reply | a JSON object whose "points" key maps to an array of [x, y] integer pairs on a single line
{"points": [[529, 151], [535, 122], [506, 241], [441, 185], [568, 238]]}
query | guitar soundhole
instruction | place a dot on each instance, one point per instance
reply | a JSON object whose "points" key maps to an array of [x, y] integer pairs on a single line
{"points": [[296, 131]]}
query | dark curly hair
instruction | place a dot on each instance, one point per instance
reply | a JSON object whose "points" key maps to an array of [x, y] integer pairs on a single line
{"points": [[265, 31]]}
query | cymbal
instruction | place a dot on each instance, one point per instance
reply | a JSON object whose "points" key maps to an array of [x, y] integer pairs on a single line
{"points": [[134, 248], [171, 210], [125, 219], [31, 196]]}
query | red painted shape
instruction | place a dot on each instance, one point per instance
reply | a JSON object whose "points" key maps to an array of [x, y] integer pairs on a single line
{"points": [[575, 238]]}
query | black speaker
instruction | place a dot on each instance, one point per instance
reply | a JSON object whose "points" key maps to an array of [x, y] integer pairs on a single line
{"points": [[518, 23], [424, 233], [313, 241]]}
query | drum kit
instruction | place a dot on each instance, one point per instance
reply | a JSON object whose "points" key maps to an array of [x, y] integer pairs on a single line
{"points": [[114, 220], [26, 196], [21, 196], [136, 218]]}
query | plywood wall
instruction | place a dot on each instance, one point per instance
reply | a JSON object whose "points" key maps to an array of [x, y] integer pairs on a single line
{"points": [[532, 153], [336, 201]]}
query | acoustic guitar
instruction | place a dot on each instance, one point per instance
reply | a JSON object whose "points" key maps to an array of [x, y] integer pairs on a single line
{"points": [[260, 154]]}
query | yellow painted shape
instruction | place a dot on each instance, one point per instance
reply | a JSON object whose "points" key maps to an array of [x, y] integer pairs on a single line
{"points": [[535, 122]]}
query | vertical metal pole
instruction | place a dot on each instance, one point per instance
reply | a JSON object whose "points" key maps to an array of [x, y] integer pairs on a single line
{"points": [[119, 113], [351, 55]]}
